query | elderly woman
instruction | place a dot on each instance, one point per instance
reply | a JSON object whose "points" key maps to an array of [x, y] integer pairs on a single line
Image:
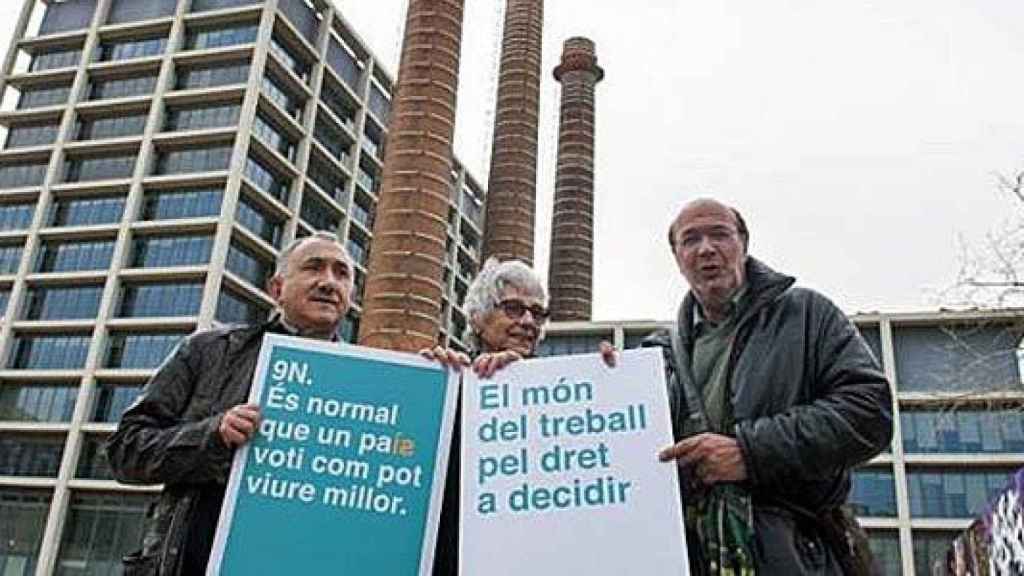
{"points": [[506, 306]]}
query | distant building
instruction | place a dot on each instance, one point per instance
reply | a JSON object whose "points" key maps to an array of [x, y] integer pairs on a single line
{"points": [[959, 422], [159, 153]]}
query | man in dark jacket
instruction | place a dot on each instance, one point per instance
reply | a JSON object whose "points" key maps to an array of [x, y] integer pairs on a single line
{"points": [[775, 398], [193, 413]]}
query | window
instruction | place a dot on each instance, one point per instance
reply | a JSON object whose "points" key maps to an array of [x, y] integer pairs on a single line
{"points": [[963, 430], [85, 211], [318, 214], [133, 10], [30, 454], [23, 135], [193, 160], [235, 309], [557, 345], [208, 76], [280, 96], [121, 87], [10, 258], [266, 179], [930, 548], [98, 168], [373, 141], [63, 302], [204, 5], [155, 300], [957, 358], [112, 400], [146, 350], [186, 203], [23, 175], [885, 546], [332, 139], [66, 15], [100, 529], [289, 59], [252, 218], [344, 63], [92, 460], [349, 331], [302, 16], [330, 180], [63, 57], [248, 266], [159, 251], [358, 250], [339, 104], [379, 103], [874, 492], [873, 337], [204, 38], [362, 215], [5, 297], [74, 256], [129, 49], [204, 117], [952, 493], [38, 97], [367, 178], [272, 136], [51, 352], [16, 216], [32, 402], [111, 127], [24, 519]]}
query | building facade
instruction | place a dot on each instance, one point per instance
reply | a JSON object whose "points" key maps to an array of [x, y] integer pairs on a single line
{"points": [[959, 422], [158, 155]]}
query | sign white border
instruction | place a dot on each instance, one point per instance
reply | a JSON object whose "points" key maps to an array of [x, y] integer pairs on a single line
{"points": [[270, 341]]}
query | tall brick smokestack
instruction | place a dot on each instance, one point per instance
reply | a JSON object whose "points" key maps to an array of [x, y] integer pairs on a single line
{"points": [[403, 287], [571, 271], [512, 184]]}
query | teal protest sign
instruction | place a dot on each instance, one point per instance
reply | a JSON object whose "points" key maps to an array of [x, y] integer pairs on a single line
{"points": [[345, 474]]}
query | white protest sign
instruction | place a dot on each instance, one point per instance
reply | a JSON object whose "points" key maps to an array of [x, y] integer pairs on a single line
{"points": [[560, 473]]}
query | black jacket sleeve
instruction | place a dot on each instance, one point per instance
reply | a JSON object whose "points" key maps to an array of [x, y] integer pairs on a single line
{"points": [[154, 444], [848, 421]]}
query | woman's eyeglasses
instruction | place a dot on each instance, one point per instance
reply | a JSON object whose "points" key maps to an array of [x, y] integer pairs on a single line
{"points": [[515, 309]]}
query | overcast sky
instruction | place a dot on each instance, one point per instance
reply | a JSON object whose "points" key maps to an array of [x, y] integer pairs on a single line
{"points": [[858, 138]]}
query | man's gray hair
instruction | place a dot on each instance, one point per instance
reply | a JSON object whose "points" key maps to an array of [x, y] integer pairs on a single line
{"points": [[281, 266], [488, 288]]}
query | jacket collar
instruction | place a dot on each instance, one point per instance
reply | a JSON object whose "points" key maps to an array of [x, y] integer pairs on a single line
{"points": [[763, 286]]}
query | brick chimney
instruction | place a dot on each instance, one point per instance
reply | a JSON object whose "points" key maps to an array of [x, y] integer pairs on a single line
{"points": [[403, 287], [512, 184], [570, 274]]}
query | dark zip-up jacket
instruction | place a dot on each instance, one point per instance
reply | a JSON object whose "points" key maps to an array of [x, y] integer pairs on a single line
{"points": [[170, 436], [810, 403]]}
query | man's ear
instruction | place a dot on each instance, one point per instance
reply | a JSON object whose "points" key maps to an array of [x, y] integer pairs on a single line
{"points": [[274, 286]]}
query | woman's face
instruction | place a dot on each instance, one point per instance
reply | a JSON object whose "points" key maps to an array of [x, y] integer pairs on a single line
{"points": [[514, 324]]}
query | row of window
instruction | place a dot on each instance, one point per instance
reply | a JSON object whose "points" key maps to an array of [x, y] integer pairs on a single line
{"points": [[55, 402], [99, 529], [933, 492]]}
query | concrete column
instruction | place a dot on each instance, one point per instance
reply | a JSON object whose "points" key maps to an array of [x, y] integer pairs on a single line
{"points": [[403, 287], [512, 185], [570, 274]]}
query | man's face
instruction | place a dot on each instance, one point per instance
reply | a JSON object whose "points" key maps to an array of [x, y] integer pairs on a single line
{"points": [[512, 325], [709, 251], [313, 293]]}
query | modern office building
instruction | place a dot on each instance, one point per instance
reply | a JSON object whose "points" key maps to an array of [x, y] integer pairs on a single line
{"points": [[158, 155], [959, 422]]}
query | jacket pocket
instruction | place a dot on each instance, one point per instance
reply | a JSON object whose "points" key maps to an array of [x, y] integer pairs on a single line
{"points": [[137, 564]]}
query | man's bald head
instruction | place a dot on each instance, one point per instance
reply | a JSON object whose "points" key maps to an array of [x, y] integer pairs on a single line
{"points": [[703, 205]]}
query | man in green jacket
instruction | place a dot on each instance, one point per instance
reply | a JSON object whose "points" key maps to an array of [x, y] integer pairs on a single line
{"points": [[775, 398]]}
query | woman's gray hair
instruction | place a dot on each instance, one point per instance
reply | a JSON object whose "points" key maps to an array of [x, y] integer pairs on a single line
{"points": [[488, 288]]}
